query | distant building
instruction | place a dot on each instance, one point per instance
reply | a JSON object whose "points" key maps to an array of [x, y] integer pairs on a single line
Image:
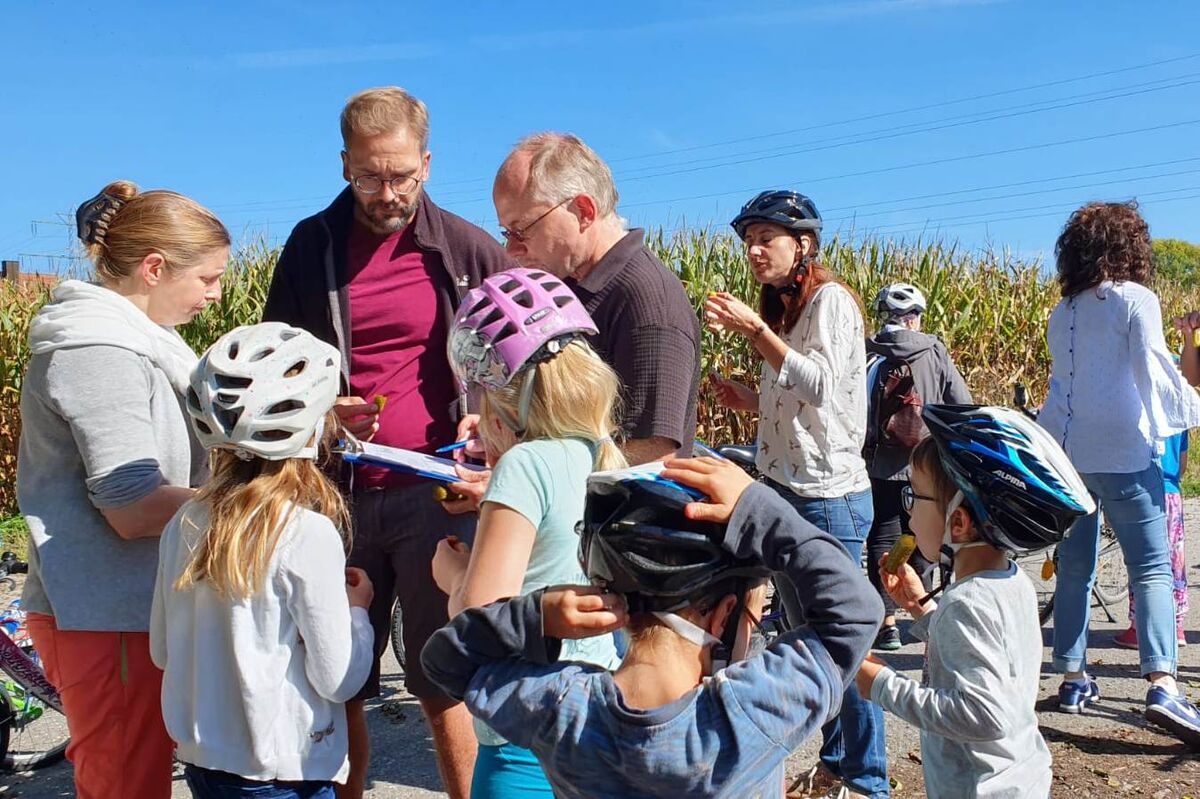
{"points": [[11, 271]]}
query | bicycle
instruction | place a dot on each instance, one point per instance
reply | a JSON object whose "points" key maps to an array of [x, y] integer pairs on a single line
{"points": [[33, 727], [1111, 584]]}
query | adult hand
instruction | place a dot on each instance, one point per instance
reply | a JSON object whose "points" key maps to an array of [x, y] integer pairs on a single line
{"points": [[359, 589], [1187, 324], [904, 587], [359, 417], [720, 480], [734, 395], [723, 311], [581, 611], [450, 561], [867, 672], [468, 430], [471, 486]]}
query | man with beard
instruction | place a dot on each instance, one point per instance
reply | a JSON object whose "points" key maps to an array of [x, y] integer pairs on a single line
{"points": [[379, 274]]}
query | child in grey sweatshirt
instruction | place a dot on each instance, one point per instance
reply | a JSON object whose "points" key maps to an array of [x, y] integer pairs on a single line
{"points": [[975, 702]]}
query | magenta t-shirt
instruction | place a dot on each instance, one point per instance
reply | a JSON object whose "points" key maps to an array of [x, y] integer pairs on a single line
{"points": [[398, 344]]}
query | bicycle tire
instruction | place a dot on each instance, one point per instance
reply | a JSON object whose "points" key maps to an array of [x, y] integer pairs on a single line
{"points": [[1112, 580], [32, 741], [397, 636]]}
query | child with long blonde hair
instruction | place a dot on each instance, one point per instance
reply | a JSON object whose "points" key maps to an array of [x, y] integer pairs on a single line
{"points": [[261, 631], [546, 422]]}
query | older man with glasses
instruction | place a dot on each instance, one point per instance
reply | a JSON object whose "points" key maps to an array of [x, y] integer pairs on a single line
{"points": [[556, 201], [379, 274]]}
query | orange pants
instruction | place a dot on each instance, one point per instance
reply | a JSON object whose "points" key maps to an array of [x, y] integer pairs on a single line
{"points": [[111, 692]]}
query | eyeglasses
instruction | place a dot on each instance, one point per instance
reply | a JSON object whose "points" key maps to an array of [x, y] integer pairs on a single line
{"points": [[908, 498], [519, 234], [373, 184]]}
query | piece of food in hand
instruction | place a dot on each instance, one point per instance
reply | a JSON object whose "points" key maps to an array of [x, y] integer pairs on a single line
{"points": [[380, 400], [900, 552], [443, 494]]}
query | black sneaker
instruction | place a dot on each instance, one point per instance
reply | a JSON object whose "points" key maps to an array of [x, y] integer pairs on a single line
{"points": [[888, 639]]}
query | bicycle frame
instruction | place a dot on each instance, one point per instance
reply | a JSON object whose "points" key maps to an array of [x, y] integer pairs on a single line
{"points": [[26, 673]]}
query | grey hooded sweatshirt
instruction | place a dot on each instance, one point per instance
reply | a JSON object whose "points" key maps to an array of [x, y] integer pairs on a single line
{"points": [[935, 377]]}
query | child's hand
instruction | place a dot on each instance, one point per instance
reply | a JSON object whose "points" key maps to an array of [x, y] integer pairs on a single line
{"points": [[450, 563], [867, 672], [471, 486], [581, 611], [721, 480], [359, 589], [904, 587]]}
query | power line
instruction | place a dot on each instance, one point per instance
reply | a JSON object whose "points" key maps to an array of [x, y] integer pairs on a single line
{"points": [[916, 164]]}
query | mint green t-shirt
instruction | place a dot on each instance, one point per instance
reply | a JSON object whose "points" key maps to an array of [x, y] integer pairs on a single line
{"points": [[546, 482]]}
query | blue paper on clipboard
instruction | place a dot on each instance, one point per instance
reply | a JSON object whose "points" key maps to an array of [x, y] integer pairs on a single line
{"points": [[407, 461]]}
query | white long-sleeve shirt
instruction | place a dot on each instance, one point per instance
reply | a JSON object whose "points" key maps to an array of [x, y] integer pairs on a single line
{"points": [[1115, 391], [813, 411], [256, 686], [974, 707]]}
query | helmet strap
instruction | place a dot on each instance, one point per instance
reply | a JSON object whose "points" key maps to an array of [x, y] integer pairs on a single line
{"points": [[310, 452], [687, 630]]}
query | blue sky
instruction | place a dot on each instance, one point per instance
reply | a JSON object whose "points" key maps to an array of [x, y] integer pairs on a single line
{"points": [[861, 104]]}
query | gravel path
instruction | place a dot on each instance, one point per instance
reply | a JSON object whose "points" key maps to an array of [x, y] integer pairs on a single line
{"points": [[1108, 752]]}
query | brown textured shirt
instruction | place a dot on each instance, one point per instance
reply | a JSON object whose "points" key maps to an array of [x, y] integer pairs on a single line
{"points": [[650, 335]]}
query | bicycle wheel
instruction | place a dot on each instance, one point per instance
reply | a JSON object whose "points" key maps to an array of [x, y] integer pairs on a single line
{"points": [[32, 712], [398, 636], [1033, 564], [1112, 580], [37, 734]]}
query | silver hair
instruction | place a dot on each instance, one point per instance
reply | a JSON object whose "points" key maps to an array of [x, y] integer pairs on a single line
{"points": [[562, 166]]}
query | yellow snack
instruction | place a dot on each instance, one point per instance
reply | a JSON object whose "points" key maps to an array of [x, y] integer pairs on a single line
{"points": [[380, 400], [1047, 569], [900, 552], [443, 494]]}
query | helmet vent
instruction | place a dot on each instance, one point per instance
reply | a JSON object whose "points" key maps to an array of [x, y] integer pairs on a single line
{"points": [[203, 428], [523, 298], [560, 300], [477, 307], [552, 285], [536, 274], [233, 349], [226, 399], [504, 332], [270, 435], [495, 316], [285, 407], [296, 368], [193, 400], [228, 418], [229, 381], [510, 285], [263, 353]]}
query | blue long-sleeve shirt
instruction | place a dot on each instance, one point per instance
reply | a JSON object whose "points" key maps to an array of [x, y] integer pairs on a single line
{"points": [[727, 738]]}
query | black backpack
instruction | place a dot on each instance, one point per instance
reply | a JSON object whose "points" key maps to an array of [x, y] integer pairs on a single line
{"points": [[893, 407]]}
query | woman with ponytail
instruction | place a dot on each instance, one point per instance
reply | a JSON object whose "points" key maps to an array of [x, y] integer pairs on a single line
{"points": [[812, 406], [547, 417], [106, 458]]}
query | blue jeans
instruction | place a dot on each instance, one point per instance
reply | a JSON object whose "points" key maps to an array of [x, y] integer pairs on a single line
{"points": [[209, 784], [508, 771], [854, 747], [1135, 507]]}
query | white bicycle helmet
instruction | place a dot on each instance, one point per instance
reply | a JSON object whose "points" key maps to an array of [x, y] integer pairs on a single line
{"points": [[263, 390], [899, 299]]}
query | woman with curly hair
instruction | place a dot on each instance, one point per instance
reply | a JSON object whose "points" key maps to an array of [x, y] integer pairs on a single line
{"points": [[1115, 396]]}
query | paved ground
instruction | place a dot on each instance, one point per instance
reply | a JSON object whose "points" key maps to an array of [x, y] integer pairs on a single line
{"points": [[1109, 752]]}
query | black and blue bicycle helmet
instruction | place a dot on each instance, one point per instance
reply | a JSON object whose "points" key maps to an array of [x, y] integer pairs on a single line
{"points": [[636, 541], [1019, 484], [789, 209]]}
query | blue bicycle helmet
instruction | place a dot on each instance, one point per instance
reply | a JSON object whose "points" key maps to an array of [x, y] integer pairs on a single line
{"points": [[789, 209], [1019, 484]]}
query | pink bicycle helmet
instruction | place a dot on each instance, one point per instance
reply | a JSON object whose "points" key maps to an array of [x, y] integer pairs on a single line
{"points": [[513, 320]]}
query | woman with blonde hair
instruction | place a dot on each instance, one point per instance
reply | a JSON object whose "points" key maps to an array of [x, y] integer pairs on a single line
{"points": [[547, 418], [261, 631], [105, 460]]}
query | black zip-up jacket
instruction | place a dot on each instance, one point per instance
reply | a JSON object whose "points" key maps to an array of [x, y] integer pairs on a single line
{"points": [[310, 287]]}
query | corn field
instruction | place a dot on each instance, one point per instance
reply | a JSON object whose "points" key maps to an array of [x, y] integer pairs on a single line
{"points": [[990, 308]]}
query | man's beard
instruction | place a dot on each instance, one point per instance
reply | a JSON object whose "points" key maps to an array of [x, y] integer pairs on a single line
{"points": [[385, 218]]}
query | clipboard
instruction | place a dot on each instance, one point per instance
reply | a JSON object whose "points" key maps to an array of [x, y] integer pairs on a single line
{"points": [[405, 461], [651, 472]]}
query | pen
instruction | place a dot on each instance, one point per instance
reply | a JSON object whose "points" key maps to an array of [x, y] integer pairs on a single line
{"points": [[454, 446]]}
